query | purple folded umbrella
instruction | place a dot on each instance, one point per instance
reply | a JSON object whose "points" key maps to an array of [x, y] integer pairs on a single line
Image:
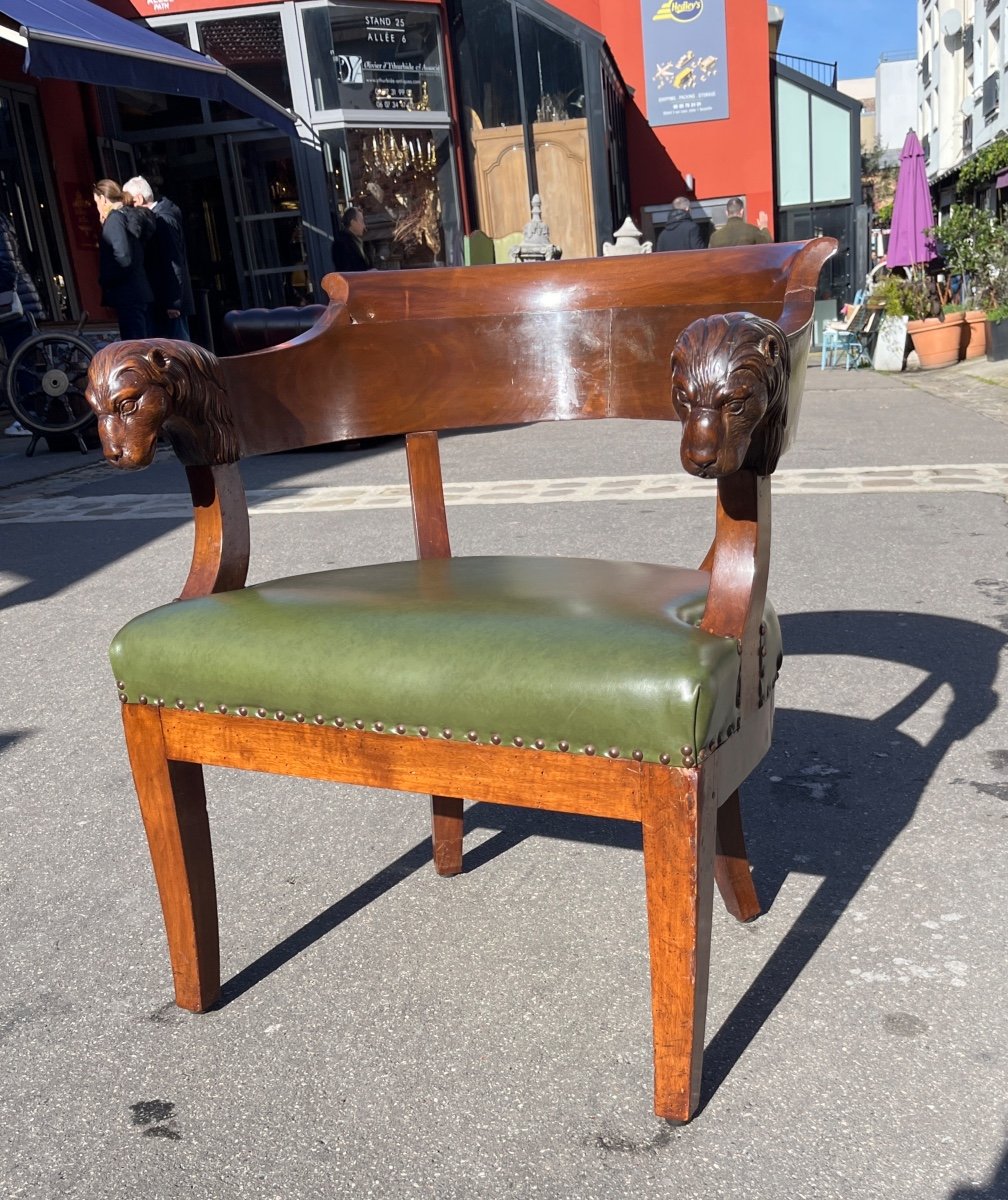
{"points": [[912, 213]]}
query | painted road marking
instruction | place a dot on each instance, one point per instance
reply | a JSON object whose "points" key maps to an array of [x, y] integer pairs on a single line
{"points": [[276, 501]]}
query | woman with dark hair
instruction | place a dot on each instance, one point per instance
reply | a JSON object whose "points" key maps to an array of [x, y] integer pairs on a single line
{"points": [[121, 273]]}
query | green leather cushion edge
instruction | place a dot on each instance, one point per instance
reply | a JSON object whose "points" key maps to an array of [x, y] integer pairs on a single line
{"points": [[585, 652]]}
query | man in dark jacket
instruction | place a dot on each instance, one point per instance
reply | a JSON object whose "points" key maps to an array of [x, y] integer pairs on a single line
{"points": [[737, 232], [124, 284], [166, 262], [348, 252], [681, 232]]}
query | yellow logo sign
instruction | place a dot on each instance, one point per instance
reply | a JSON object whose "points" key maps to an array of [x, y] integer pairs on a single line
{"points": [[679, 10]]}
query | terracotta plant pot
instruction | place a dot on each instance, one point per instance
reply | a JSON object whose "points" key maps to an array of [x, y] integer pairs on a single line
{"points": [[974, 341], [937, 341]]}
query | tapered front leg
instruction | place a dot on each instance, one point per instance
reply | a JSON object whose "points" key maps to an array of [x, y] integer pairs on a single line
{"points": [[678, 815], [731, 863], [173, 806], [446, 830]]}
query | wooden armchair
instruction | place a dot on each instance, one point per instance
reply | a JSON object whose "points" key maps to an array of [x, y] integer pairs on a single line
{"points": [[642, 692]]}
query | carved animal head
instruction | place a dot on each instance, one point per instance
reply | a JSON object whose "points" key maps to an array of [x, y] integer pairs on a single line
{"points": [[729, 388], [138, 389]]}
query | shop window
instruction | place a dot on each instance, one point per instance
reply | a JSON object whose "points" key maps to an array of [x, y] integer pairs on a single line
{"points": [[179, 34], [142, 112], [253, 47], [489, 65], [794, 175], [831, 151], [374, 58], [402, 180], [269, 218], [551, 71]]}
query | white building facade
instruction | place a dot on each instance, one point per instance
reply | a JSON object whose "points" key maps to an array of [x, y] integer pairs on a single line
{"points": [[960, 66]]}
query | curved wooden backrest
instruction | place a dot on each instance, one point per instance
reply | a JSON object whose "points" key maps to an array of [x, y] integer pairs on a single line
{"points": [[481, 346]]}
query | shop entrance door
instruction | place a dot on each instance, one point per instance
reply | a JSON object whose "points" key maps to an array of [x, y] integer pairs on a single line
{"points": [[268, 221], [28, 199]]}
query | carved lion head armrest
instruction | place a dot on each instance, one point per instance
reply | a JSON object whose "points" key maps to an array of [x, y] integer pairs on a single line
{"points": [[731, 381], [140, 389], [730, 378]]}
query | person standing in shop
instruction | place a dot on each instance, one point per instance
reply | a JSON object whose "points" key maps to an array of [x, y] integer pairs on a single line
{"points": [[681, 232], [124, 284], [348, 250], [166, 262], [736, 231]]}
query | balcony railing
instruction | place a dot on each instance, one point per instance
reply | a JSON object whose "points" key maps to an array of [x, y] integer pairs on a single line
{"points": [[821, 72]]}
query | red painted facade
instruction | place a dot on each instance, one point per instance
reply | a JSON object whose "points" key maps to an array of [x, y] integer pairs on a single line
{"points": [[725, 158]]}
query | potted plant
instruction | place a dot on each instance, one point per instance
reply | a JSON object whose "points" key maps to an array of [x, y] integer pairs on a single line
{"points": [[994, 294], [891, 343], [968, 238], [936, 336], [997, 334]]}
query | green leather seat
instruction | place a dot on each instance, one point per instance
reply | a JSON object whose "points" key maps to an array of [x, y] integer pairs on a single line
{"points": [[554, 653]]}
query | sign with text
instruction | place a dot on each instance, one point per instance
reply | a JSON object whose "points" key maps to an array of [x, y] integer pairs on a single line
{"points": [[378, 58], [163, 8], [686, 60]]}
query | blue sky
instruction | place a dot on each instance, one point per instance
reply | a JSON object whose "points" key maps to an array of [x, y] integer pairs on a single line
{"points": [[852, 33]]}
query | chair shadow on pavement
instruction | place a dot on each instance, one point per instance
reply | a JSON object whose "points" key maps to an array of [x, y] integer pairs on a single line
{"points": [[829, 800], [997, 1189]]}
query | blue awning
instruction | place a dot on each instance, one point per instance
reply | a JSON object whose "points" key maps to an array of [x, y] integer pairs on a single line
{"points": [[74, 39]]}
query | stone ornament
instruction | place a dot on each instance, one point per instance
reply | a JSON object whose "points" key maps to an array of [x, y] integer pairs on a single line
{"points": [[627, 241], [535, 245]]}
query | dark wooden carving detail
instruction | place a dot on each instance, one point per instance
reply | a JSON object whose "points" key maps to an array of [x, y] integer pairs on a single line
{"points": [[729, 388], [139, 389]]}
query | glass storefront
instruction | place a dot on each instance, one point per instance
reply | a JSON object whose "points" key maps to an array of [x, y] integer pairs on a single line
{"points": [[27, 199], [252, 47], [269, 215], [191, 173], [371, 81], [402, 179], [541, 107], [552, 72], [818, 179], [374, 58], [377, 88]]}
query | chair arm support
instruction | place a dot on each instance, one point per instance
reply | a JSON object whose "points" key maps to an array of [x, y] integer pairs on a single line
{"points": [[140, 390], [221, 543], [730, 390]]}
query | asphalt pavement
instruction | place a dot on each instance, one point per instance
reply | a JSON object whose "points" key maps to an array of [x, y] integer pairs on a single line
{"points": [[388, 1033]]}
